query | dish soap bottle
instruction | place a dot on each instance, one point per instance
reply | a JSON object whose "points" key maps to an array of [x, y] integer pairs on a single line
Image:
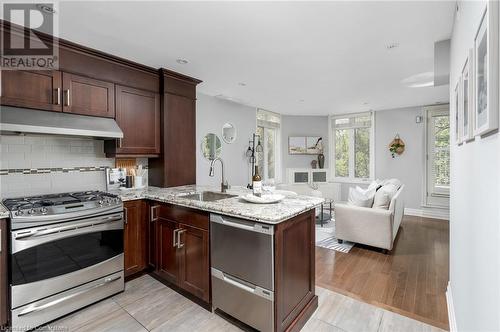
{"points": [[257, 183]]}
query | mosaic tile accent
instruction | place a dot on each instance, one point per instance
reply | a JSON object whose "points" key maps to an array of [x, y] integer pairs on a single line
{"points": [[51, 170]]}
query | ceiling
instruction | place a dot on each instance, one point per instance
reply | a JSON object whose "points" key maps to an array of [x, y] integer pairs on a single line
{"points": [[302, 58]]}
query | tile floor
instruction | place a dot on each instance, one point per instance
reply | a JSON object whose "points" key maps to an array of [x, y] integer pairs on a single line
{"points": [[148, 305]]}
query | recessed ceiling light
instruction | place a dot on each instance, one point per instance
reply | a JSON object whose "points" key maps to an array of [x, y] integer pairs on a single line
{"points": [[391, 46], [365, 103], [182, 61], [301, 100], [242, 84], [46, 8]]}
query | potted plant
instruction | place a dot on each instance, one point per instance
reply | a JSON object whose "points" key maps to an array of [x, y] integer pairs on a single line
{"points": [[397, 146]]}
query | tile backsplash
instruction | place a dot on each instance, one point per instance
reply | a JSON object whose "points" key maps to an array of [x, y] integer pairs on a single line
{"points": [[43, 164]]}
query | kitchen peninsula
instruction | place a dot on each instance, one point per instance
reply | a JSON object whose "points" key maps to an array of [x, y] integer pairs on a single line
{"points": [[195, 239]]}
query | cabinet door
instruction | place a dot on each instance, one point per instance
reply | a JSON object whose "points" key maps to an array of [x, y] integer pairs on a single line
{"points": [[32, 89], [180, 135], [134, 237], [86, 96], [167, 266], [152, 248], [4, 304], [194, 270], [138, 115]]}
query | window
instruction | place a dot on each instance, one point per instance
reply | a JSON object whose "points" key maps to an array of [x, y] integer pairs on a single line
{"points": [[437, 156], [353, 146], [268, 129]]}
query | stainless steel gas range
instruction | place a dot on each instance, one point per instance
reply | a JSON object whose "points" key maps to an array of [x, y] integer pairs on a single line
{"points": [[66, 253]]}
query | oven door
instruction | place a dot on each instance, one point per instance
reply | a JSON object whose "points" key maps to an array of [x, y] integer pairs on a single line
{"points": [[50, 259]]}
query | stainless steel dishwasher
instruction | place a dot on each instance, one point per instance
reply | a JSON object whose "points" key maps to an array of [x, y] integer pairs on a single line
{"points": [[242, 254]]}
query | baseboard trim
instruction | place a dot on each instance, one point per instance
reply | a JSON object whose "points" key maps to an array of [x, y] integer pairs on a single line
{"points": [[451, 309], [428, 213]]}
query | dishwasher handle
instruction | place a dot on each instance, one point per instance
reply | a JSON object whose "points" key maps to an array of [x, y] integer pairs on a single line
{"points": [[242, 224]]}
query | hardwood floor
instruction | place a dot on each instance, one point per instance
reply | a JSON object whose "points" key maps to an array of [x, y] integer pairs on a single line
{"points": [[411, 280]]}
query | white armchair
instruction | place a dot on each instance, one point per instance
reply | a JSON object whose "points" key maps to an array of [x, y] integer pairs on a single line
{"points": [[373, 227]]}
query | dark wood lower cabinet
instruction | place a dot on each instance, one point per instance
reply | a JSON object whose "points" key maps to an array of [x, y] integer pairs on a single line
{"points": [[178, 251], [135, 237], [151, 228], [295, 299], [4, 297], [182, 248], [167, 257], [194, 262]]}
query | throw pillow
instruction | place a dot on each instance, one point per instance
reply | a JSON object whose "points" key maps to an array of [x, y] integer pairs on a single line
{"points": [[361, 197], [395, 182], [383, 196]]}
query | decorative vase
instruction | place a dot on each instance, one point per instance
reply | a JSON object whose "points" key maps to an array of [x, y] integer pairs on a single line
{"points": [[321, 160]]}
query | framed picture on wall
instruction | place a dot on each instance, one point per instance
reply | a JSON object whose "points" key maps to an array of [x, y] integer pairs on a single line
{"points": [[467, 121], [304, 145], [457, 110], [297, 145], [486, 71]]}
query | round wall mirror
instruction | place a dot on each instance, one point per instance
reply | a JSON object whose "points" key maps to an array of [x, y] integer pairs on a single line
{"points": [[211, 147], [228, 133]]}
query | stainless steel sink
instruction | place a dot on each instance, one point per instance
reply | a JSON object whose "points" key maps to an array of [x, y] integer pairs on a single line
{"points": [[207, 196]]}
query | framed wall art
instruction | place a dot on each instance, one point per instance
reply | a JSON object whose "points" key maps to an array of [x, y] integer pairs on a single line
{"points": [[457, 110], [304, 145], [467, 119], [486, 71]]}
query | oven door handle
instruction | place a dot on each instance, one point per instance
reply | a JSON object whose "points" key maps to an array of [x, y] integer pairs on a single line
{"points": [[54, 230], [68, 297]]}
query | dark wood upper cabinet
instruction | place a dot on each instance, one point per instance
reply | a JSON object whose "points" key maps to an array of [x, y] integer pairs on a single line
{"points": [[138, 115], [87, 96], [32, 89], [135, 237], [177, 163], [4, 299]]}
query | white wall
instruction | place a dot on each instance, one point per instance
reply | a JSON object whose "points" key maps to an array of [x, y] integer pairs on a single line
{"points": [[211, 114], [475, 197], [408, 167], [302, 126]]}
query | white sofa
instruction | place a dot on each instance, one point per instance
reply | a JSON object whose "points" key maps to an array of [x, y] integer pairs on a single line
{"points": [[371, 226]]}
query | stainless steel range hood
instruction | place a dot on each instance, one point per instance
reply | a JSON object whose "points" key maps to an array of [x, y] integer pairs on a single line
{"points": [[23, 120]]}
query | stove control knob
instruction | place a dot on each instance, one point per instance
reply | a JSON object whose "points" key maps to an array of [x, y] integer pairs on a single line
{"points": [[44, 210], [19, 213], [31, 211], [100, 202]]}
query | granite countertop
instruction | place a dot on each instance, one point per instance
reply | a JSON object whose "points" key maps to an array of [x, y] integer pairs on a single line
{"points": [[4, 213], [275, 213]]}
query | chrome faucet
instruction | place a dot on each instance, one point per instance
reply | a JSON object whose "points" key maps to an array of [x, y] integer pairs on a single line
{"points": [[224, 185]]}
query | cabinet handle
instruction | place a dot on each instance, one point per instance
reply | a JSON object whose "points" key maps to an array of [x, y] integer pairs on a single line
{"points": [[58, 96], [119, 142], [174, 244], [67, 98], [125, 215], [0, 241], [152, 217], [179, 233]]}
